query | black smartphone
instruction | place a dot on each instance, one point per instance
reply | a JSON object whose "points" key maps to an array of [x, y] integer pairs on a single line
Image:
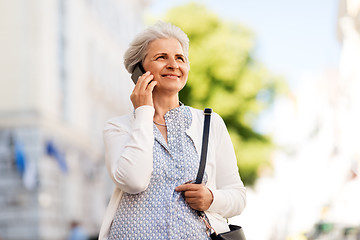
{"points": [[138, 71]]}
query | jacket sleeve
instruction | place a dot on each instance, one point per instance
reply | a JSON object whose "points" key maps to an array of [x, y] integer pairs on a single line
{"points": [[230, 193], [129, 150]]}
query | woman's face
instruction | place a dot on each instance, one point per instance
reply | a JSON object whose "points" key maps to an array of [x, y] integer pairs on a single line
{"points": [[166, 61]]}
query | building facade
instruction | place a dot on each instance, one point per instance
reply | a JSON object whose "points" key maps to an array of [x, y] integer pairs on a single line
{"points": [[61, 77]]}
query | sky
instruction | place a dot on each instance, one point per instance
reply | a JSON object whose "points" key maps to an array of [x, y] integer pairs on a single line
{"points": [[294, 37]]}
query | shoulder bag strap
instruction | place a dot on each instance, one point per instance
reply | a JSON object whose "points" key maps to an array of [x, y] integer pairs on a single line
{"points": [[204, 148]]}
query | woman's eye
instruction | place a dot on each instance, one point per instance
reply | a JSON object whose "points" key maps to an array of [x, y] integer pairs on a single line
{"points": [[181, 59], [160, 57]]}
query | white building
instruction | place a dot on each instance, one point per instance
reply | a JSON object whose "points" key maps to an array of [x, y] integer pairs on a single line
{"points": [[61, 77]]}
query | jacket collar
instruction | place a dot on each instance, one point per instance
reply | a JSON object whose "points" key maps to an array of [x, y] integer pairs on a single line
{"points": [[195, 129]]}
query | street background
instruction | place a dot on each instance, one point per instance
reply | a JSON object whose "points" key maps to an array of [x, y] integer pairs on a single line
{"points": [[62, 77]]}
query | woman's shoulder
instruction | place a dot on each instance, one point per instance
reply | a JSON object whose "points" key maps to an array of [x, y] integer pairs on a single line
{"points": [[142, 113], [199, 113], [121, 121]]}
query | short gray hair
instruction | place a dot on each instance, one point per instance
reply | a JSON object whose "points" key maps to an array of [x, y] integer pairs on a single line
{"points": [[139, 46]]}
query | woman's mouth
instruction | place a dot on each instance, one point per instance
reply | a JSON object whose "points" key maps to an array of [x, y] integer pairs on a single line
{"points": [[172, 76]]}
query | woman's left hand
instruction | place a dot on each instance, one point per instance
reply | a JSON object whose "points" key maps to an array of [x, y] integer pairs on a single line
{"points": [[198, 196]]}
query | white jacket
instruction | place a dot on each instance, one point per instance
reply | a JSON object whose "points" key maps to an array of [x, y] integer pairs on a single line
{"points": [[129, 144]]}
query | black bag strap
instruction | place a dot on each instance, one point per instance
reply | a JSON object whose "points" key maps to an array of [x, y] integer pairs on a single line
{"points": [[235, 231], [204, 148]]}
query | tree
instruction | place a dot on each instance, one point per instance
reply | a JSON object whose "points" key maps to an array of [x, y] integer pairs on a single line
{"points": [[225, 76]]}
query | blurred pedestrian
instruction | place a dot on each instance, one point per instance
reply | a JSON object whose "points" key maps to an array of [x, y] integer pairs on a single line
{"points": [[77, 232], [152, 154]]}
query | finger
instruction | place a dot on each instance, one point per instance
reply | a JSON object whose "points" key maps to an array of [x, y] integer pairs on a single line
{"points": [[145, 80], [139, 81], [139, 87], [187, 187], [192, 194], [196, 205], [193, 201], [151, 85]]}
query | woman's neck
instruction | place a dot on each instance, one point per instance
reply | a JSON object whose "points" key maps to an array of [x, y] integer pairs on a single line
{"points": [[162, 105]]}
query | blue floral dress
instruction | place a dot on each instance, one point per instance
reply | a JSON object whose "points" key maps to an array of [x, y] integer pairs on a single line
{"points": [[160, 212]]}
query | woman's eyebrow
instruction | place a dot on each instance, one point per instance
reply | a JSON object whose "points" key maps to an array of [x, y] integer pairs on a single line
{"points": [[166, 54], [160, 54], [163, 53]]}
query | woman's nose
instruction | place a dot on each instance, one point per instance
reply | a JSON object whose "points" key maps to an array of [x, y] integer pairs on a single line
{"points": [[172, 64]]}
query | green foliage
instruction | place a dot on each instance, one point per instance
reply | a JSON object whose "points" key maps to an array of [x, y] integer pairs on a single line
{"points": [[225, 76]]}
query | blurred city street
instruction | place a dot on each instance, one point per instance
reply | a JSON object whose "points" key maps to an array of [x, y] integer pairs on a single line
{"points": [[62, 77]]}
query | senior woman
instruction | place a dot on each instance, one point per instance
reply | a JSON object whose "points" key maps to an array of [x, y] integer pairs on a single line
{"points": [[152, 154]]}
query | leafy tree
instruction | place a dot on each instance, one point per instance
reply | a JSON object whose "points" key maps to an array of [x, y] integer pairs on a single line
{"points": [[225, 76]]}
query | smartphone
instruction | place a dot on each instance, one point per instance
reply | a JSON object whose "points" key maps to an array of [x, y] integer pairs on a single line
{"points": [[138, 71]]}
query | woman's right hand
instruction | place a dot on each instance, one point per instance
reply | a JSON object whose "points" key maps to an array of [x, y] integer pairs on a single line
{"points": [[142, 93]]}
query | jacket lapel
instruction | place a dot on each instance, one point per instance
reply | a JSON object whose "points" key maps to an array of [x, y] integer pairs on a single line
{"points": [[195, 130]]}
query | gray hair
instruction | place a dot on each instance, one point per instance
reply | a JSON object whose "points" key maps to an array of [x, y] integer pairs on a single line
{"points": [[139, 46]]}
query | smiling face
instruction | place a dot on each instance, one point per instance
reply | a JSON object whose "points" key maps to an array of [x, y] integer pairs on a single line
{"points": [[166, 61]]}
